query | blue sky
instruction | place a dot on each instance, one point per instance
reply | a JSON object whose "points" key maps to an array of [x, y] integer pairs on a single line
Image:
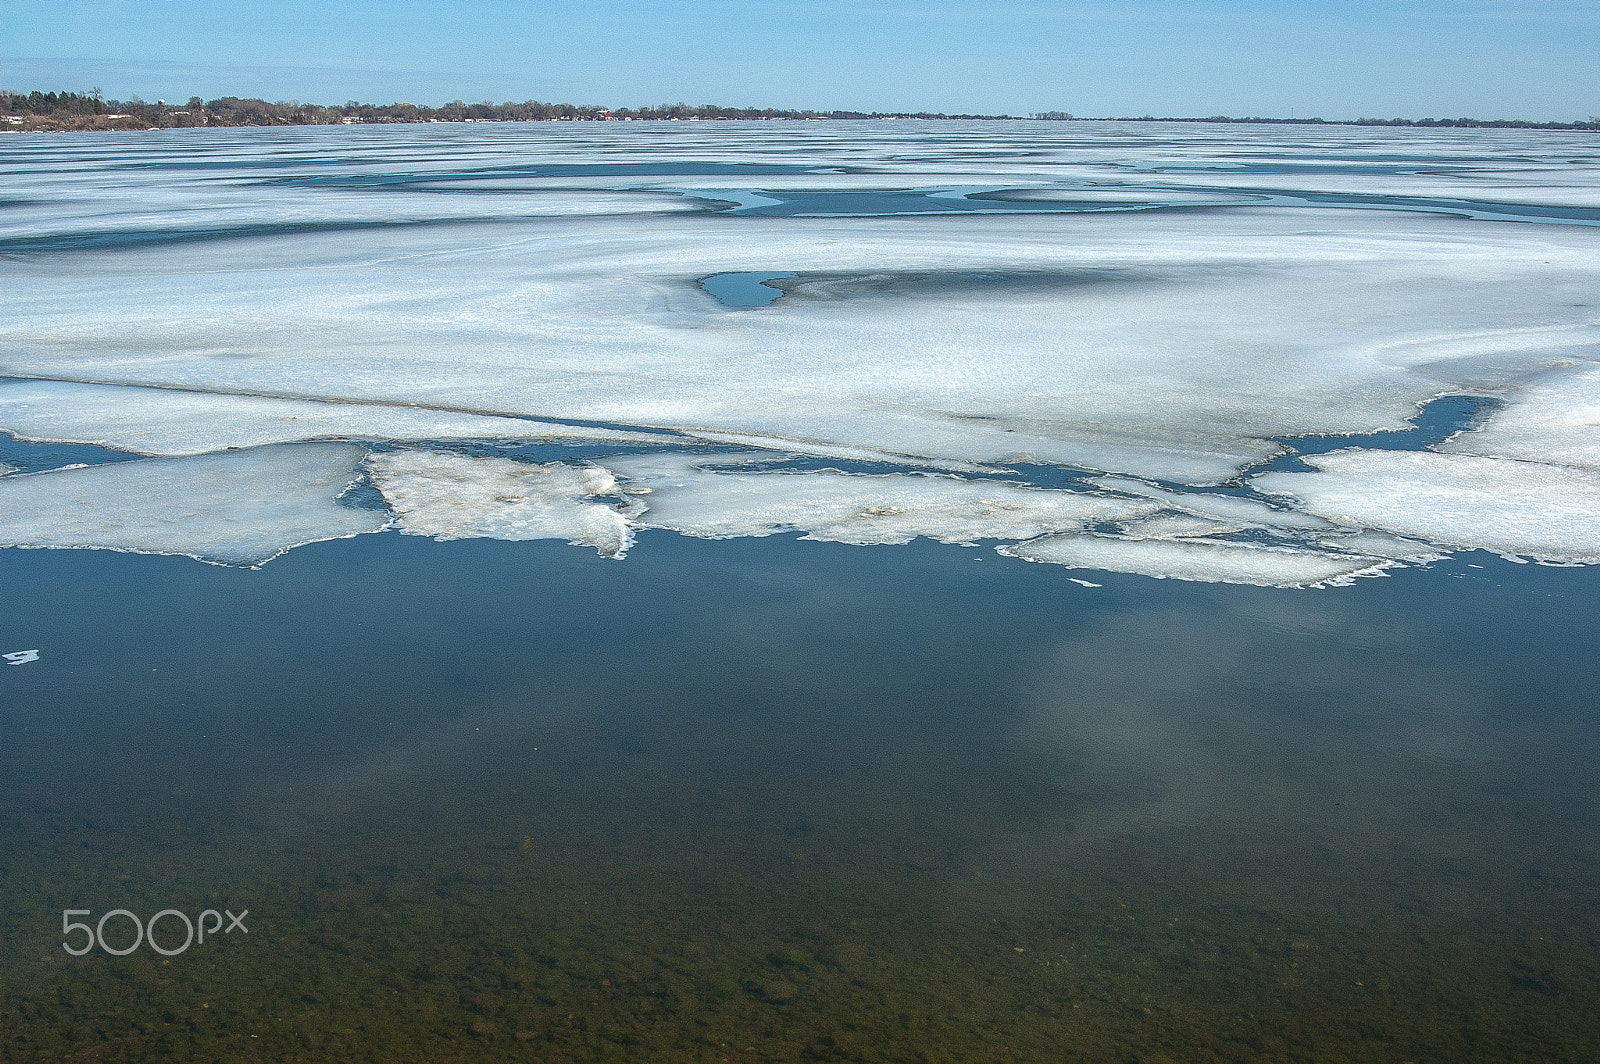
{"points": [[1334, 58]]}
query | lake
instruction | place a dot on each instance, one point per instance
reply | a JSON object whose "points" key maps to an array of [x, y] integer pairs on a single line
{"points": [[778, 591]]}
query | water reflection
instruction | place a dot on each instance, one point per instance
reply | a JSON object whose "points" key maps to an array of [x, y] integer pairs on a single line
{"points": [[811, 801]]}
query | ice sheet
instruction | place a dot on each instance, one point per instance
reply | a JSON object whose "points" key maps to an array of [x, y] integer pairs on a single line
{"points": [[157, 421], [237, 508], [1172, 348]]}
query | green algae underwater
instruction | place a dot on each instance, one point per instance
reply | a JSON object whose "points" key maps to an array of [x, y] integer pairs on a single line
{"points": [[769, 800]]}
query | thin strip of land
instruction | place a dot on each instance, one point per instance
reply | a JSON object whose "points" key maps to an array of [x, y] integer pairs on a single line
{"points": [[56, 111]]}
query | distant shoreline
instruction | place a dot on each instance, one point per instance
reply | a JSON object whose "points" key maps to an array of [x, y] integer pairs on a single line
{"points": [[73, 112]]}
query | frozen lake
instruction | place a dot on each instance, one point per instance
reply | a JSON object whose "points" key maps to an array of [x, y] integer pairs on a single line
{"points": [[838, 715], [1079, 342]]}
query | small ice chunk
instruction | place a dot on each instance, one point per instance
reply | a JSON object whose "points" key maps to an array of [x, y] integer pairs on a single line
{"points": [[20, 657], [1453, 500], [454, 496], [1209, 561], [1084, 583], [842, 507], [235, 508]]}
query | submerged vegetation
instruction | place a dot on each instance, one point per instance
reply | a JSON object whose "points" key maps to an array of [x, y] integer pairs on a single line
{"points": [[538, 825]]}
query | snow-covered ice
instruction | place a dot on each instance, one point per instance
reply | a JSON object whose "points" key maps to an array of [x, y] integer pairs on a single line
{"points": [[452, 496], [1453, 500], [979, 310], [163, 421]]}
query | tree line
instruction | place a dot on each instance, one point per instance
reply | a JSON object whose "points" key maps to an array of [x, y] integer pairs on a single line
{"points": [[51, 103], [236, 111], [92, 110]]}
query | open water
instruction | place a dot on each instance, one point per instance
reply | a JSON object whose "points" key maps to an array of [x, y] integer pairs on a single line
{"points": [[774, 800]]}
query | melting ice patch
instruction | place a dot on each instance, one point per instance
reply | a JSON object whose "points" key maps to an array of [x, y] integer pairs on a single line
{"points": [[1231, 510], [1553, 418], [1454, 500], [839, 507], [1381, 545], [1209, 561], [235, 508], [1177, 526], [453, 496]]}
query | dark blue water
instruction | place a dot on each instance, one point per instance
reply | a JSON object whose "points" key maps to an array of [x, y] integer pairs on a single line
{"points": [[34, 457], [744, 291], [1437, 421]]}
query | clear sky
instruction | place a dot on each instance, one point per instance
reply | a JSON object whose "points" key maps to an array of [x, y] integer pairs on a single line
{"points": [[1537, 59]]}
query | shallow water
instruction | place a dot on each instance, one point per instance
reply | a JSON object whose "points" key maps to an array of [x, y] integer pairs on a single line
{"points": [[775, 800]]}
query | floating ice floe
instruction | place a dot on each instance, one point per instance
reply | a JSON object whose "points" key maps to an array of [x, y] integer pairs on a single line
{"points": [[839, 507], [452, 496], [235, 508], [1210, 561]]}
